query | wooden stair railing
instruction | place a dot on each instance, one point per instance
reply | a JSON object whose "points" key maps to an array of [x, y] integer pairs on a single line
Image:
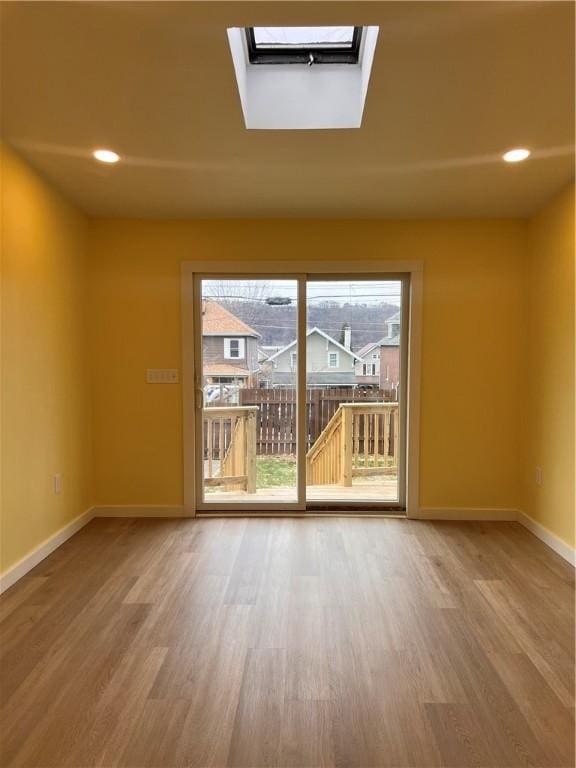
{"points": [[230, 447], [360, 439]]}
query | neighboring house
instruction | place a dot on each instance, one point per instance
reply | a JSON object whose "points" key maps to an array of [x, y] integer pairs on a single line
{"points": [[328, 363], [390, 354], [229, 347], [367, 369], [390, 363], [379, 363], [393, 325], [264, 353]]}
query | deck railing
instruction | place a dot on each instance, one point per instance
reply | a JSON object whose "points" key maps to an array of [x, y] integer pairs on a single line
{"points": [[276, 428], [230, 448], [360, 439]]}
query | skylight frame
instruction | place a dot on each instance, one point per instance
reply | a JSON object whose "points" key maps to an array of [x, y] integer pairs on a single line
{"points": [[329, 54]]}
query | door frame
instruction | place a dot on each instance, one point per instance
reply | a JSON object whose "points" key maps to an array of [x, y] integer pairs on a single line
{"points": [[301, 270]]}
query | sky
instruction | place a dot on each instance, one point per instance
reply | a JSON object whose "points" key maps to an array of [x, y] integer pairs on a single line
{"points": [[341, 291], [303, 35]]}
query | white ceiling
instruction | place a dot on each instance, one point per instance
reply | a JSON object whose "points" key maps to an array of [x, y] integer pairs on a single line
{"points": [[453, 85]]}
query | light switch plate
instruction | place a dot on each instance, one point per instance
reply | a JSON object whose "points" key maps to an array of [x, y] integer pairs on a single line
{"points": [[162, 376]]}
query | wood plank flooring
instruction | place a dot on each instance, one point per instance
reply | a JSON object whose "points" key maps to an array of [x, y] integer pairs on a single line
{"points": [[290, 642], [363, 489]]}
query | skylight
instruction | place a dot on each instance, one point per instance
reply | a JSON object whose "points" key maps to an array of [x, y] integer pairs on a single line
{"points": [[303, 45], [310, 92]]}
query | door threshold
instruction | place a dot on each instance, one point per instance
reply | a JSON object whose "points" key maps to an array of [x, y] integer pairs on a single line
{"points": [[391, 514], [358, 508]]}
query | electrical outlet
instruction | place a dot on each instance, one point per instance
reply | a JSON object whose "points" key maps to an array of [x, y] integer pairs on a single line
{"points": [[57, 484], [538, 475], [162, 375]]}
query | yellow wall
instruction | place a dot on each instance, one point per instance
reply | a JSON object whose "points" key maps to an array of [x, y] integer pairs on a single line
{"points": [[472, 359], [46, 403], [88, 306], [549, 422]]}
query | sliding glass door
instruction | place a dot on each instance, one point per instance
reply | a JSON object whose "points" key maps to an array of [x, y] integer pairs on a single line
{"points": [[246, 389], [300, 393], [354, 392]]}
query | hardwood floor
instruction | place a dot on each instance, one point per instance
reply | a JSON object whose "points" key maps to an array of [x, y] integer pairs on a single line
{"points": [[290, 642]]}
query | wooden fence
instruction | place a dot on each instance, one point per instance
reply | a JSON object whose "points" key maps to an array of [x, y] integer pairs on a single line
{"points": [[276, 420]]}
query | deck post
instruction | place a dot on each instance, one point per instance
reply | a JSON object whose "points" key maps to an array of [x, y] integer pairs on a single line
{"points": [[251, 453], [346, 446]]}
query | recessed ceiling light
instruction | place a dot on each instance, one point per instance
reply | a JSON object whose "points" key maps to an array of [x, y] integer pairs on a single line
{"points": [[516, 155], [106, 156]]}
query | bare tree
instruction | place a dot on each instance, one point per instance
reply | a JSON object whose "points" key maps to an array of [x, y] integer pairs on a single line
{"points": [[250, 294]]}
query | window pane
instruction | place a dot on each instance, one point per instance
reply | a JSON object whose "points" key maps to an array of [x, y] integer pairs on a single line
{"points": [[249, 353], [303, 37]]}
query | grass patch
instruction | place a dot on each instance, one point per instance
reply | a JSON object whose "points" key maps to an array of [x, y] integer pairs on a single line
{"points": [[275, 471], [373, 463]]}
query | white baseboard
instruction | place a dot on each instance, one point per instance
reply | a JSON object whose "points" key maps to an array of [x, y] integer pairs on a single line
{"points": [[21, 568], [467, 514], [554, 542], [136, 510]]}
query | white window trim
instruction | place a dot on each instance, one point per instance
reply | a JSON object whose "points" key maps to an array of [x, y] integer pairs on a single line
{"points": [[334, 352], [241, 348]]}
